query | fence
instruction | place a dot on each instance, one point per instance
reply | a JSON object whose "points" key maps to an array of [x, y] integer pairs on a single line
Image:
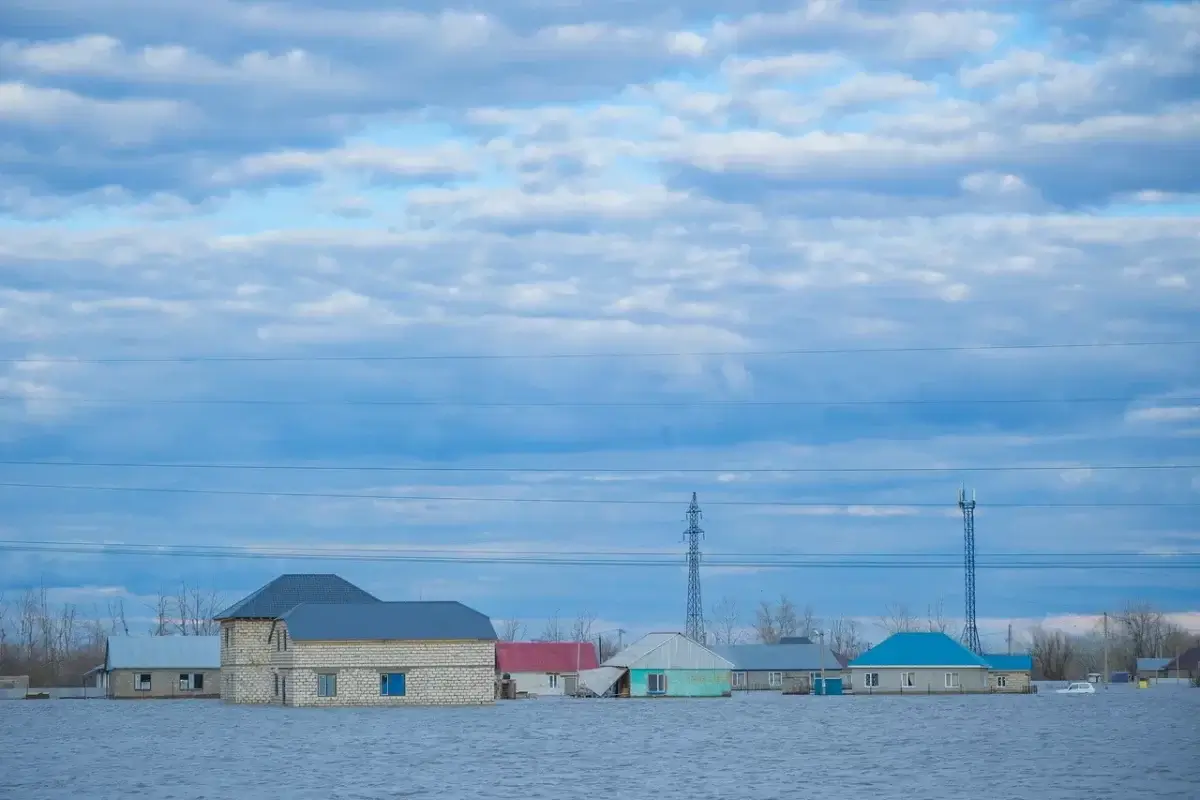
{"points": [[54, 693]]}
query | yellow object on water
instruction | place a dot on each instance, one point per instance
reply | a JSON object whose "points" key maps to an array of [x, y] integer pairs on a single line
{"points": [[1143, 684]]}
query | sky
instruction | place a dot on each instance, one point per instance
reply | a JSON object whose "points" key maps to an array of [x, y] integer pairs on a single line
{"points": [[778, 244]]}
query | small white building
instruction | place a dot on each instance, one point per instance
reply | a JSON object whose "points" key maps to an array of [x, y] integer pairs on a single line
{"points": [[544, 668]]}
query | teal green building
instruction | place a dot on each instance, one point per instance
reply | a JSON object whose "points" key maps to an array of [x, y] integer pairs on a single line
{"points": [[661, 665]]}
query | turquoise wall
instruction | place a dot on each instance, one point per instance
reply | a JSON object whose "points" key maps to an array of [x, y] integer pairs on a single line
{"points": [[684, 682]]}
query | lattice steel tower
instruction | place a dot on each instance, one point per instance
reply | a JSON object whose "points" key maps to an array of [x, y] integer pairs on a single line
{"points": [[970, 636], [695, 609]]}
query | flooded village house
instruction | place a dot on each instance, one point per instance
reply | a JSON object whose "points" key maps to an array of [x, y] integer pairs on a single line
{"points": [[544, 668], [318, 640], [157, 667], [661, 665], [933, 663]]}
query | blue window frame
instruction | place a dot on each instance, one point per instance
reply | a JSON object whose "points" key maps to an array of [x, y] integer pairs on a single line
{"points": [[327, 684], [391, 684]]}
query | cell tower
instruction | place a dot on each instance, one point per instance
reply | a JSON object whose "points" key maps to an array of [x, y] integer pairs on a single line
{"points": [[970, 635], [695, 609]]}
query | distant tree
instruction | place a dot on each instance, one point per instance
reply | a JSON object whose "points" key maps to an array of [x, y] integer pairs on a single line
{"points": [[846, 639], [773, 622], [511, 630], [581, 628], [1052, 653], [898, 619], [553, 630], [936, 619], [724, 622], [163, 624], [609, 646]]}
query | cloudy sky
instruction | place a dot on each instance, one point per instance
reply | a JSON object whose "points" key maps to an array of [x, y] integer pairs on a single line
{"points": [[782, 244]]}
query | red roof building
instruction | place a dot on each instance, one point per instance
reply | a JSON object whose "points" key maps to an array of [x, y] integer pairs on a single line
{"points": [[551, 658]]}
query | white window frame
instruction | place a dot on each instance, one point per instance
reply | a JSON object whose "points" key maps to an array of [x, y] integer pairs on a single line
{"points": [[775, 680], [953, 680], [187, 681], [739, 680], [870, 680], [140, 685], [552, 677], [656, 677], [1002, 681], [908, 680]]}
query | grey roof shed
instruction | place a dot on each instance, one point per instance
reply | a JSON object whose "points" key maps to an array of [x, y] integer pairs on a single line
{"points": [[288, 591], [779, 657], [411, 621], [162, 652]]}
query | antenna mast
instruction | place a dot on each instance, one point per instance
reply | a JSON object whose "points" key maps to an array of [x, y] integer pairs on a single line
{"points": [[970, 635], [695, 609]]}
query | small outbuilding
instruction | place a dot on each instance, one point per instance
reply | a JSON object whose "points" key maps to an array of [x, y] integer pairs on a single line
{"points": [[545, 668], [661, 665], [141, 667], [787, 668], [1009, 672], [1152, 667], [919, 663]]}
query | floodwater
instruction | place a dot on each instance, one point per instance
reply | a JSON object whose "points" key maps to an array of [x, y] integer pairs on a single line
{"points": [[1119, 743]]}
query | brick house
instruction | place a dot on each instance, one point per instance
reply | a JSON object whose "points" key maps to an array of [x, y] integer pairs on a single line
{"points": [[318, 640]]}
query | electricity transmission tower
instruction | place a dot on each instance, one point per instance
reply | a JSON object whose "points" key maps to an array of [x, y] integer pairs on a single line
{"points": [[695, 609], [970, 635]]}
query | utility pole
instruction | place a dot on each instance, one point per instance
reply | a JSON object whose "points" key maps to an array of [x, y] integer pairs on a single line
{"points": [[695, 609], [1010, 638], [824, 688], [1104, 680], [970, 636]]}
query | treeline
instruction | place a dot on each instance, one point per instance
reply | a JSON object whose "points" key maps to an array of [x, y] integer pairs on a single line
{"points": [[1137, 631], [57, 644]]}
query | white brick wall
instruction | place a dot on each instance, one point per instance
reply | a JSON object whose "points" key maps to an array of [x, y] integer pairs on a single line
{"points": [[245, 661], [436, 672]]}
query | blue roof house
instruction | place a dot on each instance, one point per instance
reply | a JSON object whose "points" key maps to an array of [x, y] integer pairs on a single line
{"points": [[319, 640], [919, 663], [1009, 672]]}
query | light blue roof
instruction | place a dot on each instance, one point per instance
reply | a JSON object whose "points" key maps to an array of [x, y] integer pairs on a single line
{"points": [[163, 652], [918, 649], [777, 657], [1003, 662], [1152, 664]]}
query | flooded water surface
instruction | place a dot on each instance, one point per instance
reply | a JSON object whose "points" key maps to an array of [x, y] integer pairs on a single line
{"points": [[1119, 743]]}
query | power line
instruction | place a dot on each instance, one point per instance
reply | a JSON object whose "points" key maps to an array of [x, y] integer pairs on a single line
{"points": [[556, 500], [592, 470], [560, 356], [450, 402], [92, 548]]}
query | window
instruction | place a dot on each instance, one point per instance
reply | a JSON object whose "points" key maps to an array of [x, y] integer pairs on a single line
{"points": [[191, 681], [908, 680], [952, 680], [283, 636], [871, 680], [228, 635], [391, 684], [739, 680], [656, 683], [277, 684], [327, 684], [1002, 681], [774, 679], [141, 682], [553, 680]]}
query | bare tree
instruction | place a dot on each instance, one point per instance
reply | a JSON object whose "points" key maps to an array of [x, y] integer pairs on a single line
{"points": [[609, 646], [163, 624], [4, 612], [724, 622], [194, 611], [845, 638], [773, 622], [553, 630], [512, 630], [1052, 653], [118, 624], [581, 628], [936, 618], [898, 619]]}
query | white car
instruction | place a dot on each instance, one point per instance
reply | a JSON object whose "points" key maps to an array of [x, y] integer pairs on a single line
{"points": [[1081, 687]]}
